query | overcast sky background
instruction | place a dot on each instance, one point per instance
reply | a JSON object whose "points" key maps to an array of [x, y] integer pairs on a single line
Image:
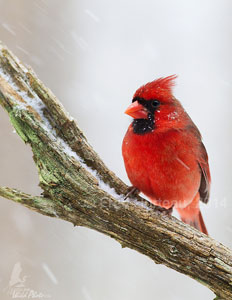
{"points": [[93, 55]]}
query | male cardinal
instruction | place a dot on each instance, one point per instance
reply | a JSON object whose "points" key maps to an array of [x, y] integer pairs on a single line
{"points": [[163, 152]]}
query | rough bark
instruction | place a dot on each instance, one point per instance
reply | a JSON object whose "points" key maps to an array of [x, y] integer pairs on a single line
{"points": [[79, 188]]}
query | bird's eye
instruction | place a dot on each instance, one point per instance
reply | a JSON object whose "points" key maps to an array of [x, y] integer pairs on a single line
{"points": [[155, 103]]}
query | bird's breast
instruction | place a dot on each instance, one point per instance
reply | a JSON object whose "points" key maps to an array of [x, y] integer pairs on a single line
{"points": [[163, 165]]}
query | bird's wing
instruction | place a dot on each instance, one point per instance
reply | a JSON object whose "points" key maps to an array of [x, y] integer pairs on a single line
{"points": [[204, 188], [205, 175]]}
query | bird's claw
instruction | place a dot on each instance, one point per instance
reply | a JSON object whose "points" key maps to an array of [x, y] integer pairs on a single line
{"points": [[164, 211], [132, 190]]}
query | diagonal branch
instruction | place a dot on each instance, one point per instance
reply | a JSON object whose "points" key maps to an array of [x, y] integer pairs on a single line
{"points": [[79, 188]]}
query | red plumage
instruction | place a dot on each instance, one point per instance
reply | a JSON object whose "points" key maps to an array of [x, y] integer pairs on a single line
{"points": [[163, 152]]}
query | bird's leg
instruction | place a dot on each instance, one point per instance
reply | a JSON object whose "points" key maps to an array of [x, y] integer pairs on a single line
{"points": [[132, 190], [164, 211]]}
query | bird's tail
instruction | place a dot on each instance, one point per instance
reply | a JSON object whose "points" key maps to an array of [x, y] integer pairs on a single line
{"points": [[192, 215], [196, 222]]}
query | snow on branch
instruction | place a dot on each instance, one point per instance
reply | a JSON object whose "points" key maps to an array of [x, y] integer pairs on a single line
{"points": [[79, 188]]}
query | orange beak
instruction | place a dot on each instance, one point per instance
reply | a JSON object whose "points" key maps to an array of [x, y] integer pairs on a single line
{"points": [[136, 111]]}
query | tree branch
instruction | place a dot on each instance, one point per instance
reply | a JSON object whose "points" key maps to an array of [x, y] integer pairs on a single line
{"points": [[79, 188]]}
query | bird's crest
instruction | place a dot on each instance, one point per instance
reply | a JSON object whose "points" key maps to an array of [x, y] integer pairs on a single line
{"points": [[160, 88]]}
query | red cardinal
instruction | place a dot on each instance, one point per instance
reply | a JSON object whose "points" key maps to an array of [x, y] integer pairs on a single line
{"points": [[163, 152]]}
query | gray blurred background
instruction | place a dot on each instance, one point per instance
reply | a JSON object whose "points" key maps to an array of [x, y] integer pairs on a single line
{"points": [[94, 55]]}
